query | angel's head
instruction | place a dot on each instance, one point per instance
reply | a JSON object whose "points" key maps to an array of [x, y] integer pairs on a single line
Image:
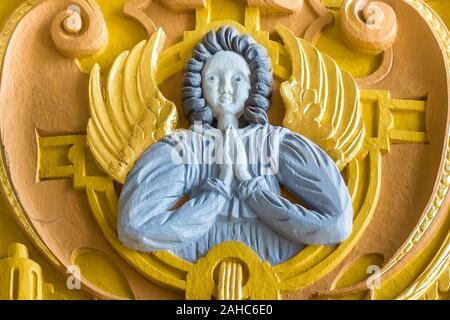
{"points": [[229, 73]]}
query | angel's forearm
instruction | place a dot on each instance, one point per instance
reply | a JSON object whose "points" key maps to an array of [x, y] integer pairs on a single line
{"points": [[170, 229], [299, 224]]}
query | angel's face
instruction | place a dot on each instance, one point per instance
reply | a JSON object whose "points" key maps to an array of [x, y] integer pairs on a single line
{"points": [[226, 83]]}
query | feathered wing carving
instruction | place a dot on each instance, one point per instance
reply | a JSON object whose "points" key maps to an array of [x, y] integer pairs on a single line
{"points": [[133, 113], [322, 102]]}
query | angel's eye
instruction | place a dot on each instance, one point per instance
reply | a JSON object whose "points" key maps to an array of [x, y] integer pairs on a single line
{"points": [[237, 78], [211, 78]]}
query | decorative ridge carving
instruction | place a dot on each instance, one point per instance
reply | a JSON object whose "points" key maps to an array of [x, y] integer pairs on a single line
{"points": [[134, 113], [418, 289], [80, 30], [435, 278], [368, 26], [135, 9], [21, 278]]}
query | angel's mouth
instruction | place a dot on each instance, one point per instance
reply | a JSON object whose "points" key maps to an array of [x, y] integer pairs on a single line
{"points": [[226, 99]]}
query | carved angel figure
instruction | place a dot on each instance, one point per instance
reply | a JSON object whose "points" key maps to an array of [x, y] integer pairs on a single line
{"points": [[230, 163]]}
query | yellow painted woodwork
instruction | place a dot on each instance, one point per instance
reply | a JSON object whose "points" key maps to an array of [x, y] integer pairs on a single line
{"points": [[123, 33], [374, 108], [172, 60], [134, 114], [7, 7], [442, 7], [332, 3], [10, 233], [69, 157], [321, 102], [230, 280], [100, 270], [259, 281], [21, 278], [357, 271], [331, 42], [387, 121], [434, 258]]}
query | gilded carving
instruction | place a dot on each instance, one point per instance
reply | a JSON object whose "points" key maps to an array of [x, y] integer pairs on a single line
{"points": [[21, 278], [134, 114], [322, 102]]}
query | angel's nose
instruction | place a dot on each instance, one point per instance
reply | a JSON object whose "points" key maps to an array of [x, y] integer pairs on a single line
{"points": [[226, 87]]}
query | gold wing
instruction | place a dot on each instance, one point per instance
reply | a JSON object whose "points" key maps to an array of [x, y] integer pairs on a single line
{"points": [[322, 101], [134, 114]]}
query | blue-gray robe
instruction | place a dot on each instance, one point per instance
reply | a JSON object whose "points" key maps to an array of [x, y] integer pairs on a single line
{"points": [[252, 211]]}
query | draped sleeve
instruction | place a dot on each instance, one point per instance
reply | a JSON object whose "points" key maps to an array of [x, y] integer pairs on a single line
{"points": [[147, 221], [325, 215]]}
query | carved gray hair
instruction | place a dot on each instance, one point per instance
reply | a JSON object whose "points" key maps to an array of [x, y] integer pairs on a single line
{"points": [[229, 39]]}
